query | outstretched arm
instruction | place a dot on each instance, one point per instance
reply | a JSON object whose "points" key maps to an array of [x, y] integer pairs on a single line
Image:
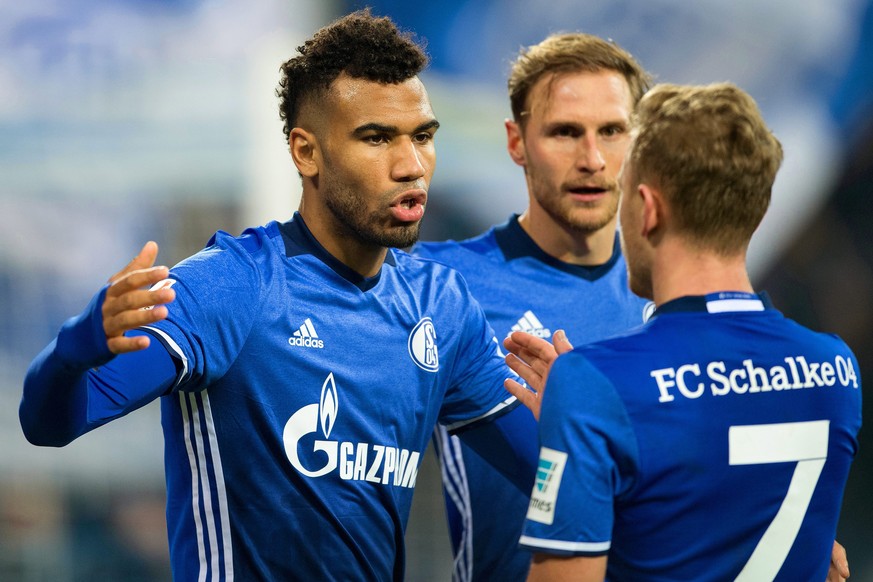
{"points": [[64, 395], [531, 358]]}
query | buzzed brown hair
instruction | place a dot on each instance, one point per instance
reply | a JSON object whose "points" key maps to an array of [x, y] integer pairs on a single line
{"points": [[709, 151], [569, 53]]}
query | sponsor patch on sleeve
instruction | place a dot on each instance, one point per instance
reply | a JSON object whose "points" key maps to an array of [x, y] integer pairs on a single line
{"points": [[548, 480]]}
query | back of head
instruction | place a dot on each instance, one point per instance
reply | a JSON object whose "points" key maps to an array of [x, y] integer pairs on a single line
{"points": [[360, 45], [570, 53], [711, 154]]}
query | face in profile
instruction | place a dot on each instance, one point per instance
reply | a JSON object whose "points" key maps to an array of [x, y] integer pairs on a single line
{"points": [[572, 144], [377, 159]]}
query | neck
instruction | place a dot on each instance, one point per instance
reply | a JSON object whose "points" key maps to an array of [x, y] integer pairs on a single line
{"points": [[679, 270], [364, 259], [572, 246]]}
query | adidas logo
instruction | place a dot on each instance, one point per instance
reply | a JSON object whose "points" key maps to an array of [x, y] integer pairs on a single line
{"points": [[306, 336], [532, 325]]}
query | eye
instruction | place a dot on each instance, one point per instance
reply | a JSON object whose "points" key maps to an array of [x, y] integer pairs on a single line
{"points": [[376, 138], [566, 131], [613, 130], [423, 137]]}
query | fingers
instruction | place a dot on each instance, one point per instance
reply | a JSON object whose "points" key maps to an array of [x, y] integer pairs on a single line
{"points": [[839, 569], [128, 303], [522, 342], [561, 343], [533, 377], [524, 396], [143, 260], [122, 344]]}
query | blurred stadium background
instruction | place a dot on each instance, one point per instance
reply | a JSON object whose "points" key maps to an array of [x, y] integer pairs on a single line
{"points": [[128, 120]]}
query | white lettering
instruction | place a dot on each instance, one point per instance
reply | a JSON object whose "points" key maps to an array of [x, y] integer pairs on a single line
{"points": [[757, 377], [379, 450], [347, 467], [360, 462], [736, 386], [749, 378], [827, 374], [390, 460], [715, 370], [683, 387], [810, 373], [660, 377]]}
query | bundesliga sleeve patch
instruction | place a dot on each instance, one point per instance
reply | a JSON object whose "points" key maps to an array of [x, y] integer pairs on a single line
{"points": [[548, 481]]}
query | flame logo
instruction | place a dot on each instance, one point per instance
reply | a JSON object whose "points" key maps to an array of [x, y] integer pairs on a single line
{"points": [[329, 405]]}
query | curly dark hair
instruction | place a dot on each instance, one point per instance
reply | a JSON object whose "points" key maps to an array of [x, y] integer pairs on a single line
{"points": [[359, 44]]}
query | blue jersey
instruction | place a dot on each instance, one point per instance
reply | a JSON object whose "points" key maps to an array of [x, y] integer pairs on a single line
{"points": [[713, 443], [305, 397], [520, 287]]}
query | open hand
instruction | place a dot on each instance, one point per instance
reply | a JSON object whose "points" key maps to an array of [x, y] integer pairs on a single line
{"points": [[531, 358], [129, 305]]}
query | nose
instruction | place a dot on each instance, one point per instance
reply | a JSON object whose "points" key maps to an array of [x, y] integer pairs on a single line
{"points": [[408, 163], [590, 158]]}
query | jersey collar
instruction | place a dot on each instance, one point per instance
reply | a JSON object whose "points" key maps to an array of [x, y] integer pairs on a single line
{"points": [[299, 240], [719, 302], [515, 243]]}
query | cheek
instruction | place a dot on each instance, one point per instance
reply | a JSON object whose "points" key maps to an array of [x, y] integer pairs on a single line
{"points": [[428, 160]]}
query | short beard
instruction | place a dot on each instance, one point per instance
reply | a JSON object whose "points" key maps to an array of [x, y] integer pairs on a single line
{"points": [[563, 216], [562, 211], [344, 205]]}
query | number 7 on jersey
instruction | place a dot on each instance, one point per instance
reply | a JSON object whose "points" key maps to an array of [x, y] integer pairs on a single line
{"points": [[803, 442]]}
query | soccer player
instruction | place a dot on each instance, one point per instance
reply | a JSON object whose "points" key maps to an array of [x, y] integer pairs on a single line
{"points": [[714, 442], [560, 262], [302, 365]]}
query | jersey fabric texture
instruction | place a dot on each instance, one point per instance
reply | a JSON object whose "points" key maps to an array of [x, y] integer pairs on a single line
{"points": [[520, 287], [713, 443], [305, 397]]}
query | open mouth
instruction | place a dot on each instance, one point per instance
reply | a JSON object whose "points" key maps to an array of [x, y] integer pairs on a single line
{"points": [[409, 207]]}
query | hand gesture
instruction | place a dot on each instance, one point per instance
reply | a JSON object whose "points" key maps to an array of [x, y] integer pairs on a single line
{"points": [[531, 358], [128, 305]]}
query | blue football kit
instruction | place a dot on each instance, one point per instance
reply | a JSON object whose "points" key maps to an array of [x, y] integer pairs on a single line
{"points": [[297, 398], [713, 443], [520, 287]]}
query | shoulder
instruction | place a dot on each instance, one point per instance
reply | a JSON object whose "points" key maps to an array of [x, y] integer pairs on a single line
{"points": [[231, 261], [452, 251], [415, 266]]}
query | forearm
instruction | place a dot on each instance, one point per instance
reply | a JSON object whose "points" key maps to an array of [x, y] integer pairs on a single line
{"points": [[510, 444], [76, 384]]}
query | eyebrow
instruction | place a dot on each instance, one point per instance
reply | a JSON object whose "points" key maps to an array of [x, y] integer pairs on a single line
{"points": [[393, 129]]}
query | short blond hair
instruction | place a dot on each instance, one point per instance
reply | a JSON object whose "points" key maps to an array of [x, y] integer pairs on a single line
{"points": [[709, 151], [569, 53]]}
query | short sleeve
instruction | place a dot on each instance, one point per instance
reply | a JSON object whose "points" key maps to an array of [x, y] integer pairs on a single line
{"points": [[588, 457]]}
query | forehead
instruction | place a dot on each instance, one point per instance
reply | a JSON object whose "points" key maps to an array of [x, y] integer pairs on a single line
{"points": [[354, 102], [580, 96]]}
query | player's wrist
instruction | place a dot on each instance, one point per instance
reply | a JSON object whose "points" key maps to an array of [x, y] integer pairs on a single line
{"points": [[81, 341]]}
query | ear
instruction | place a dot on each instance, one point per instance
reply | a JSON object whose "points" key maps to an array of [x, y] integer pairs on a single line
{"points": [[515, 142], [653, 208], [304, 151]]}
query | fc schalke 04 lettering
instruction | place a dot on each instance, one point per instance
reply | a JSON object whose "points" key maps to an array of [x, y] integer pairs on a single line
{"points": [[356, 461], [750, 378]]}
